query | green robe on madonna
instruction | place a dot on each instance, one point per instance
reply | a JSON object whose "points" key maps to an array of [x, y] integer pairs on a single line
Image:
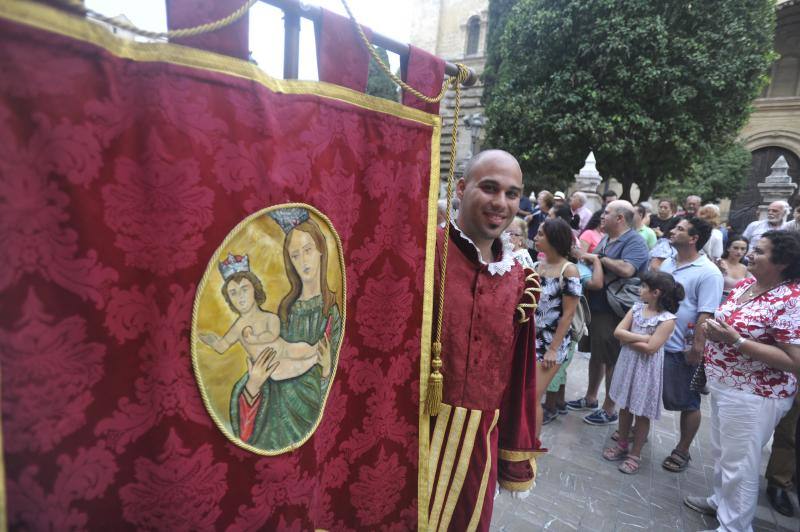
{"points": [[289, 408]]}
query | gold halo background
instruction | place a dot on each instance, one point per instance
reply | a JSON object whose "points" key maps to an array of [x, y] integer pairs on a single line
{"points": [[261, 239]]}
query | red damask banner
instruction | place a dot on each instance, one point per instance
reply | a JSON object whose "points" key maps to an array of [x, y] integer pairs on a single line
{"points": [[123, 169]]}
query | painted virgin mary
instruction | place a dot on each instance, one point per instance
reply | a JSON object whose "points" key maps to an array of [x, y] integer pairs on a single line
{"points": [[274, 414]]}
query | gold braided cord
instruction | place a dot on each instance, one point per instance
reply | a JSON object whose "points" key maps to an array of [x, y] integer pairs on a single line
{"points": [[462, 75], [532, 287], [434, 392], [170, 34], [436, 379]]}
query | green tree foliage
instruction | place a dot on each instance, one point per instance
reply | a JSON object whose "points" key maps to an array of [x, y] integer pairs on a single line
{"points": [[650, 86], [378, 83], [498, 15], [720, 174]]}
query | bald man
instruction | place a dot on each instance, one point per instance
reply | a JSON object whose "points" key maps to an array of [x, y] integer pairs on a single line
{"points": [[623, 253], [488, 356]]}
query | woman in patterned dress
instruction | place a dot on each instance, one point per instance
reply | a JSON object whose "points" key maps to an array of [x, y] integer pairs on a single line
{"points": [[561, 291], [752, 353]]}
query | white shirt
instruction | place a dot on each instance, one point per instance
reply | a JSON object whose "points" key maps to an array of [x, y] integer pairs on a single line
{"points": [[713, 248], [755, 229]]}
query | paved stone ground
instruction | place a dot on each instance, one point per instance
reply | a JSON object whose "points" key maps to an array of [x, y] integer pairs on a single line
{"points": [[578, 490]]}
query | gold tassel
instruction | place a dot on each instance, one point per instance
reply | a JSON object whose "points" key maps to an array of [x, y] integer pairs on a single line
{"points": [[433, 399]]}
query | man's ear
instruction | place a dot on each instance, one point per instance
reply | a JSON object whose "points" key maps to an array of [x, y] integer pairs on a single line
{"points": [[461, 184]]}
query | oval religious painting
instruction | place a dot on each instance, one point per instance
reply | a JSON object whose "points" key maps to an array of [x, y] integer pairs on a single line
{"points": [[268, 323]]}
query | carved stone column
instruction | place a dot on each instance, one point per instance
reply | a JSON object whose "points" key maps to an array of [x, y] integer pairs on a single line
{"points": [[587, 180], [777, 186]]}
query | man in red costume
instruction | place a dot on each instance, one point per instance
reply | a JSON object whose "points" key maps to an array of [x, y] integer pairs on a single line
{"points": [[484, 431]]}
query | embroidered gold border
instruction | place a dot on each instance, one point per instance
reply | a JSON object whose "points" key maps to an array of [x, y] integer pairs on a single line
{"points": [[518, 456], [63, 23], [196, 308], [436, 443], [476, 513], [423, 489], [461, 469]]}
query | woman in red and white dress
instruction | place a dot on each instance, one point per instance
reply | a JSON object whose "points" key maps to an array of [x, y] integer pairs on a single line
{"points": [[752, 352]]}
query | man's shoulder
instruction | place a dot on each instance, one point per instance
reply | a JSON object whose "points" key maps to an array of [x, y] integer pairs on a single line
{"points": [[708, 268], [632, 241]]}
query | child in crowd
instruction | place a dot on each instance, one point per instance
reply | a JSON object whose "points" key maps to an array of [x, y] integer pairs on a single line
{"points": [[637, 381]]}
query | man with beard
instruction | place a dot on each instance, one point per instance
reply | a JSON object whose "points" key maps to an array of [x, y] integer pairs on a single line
{"points": [[488, 402], [776, 215]]}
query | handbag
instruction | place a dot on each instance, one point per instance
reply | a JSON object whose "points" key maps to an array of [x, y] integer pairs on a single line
{"points": [[621, 292], [698, 383]]}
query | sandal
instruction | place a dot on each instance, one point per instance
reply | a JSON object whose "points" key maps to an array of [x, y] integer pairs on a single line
{"points": [[616, 453], [631, 465], [677, 461], [615, 435]]}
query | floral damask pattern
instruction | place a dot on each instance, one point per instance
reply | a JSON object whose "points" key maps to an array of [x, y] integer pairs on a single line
{"points": [[166, 388], [35, 215], [383, 327], [78, 480], [180, 490], [118, 179], [39, 349], [158, 209]]}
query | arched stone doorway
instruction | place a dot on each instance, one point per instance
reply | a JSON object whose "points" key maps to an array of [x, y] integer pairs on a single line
{"points": [[744, 206]]}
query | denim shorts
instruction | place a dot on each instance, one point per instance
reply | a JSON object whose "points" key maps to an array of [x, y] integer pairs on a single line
{"points": [[677, 377]]}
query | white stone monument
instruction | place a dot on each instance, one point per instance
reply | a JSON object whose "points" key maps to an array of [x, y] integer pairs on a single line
{"points": [[587, 180], [777, 186]]}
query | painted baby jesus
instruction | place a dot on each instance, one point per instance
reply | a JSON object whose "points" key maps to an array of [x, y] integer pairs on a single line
{"points": [[259, 330]]}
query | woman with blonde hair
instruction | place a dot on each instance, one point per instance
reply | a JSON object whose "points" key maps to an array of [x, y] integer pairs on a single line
{"points": [[714, 247]]}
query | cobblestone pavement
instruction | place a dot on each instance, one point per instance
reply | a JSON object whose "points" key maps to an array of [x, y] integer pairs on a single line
{"points": [[577, 489]]}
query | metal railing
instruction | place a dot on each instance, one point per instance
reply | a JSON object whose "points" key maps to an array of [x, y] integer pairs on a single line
{"points": [[293, 10]]}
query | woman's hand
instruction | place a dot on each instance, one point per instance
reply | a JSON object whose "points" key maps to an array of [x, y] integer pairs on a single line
{"points": [[260, 370], [324, 354], [550, 357], [722, 266], [719, 331]]}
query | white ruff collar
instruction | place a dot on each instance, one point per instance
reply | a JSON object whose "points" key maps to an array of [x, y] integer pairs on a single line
{"points": [[506, 261]]}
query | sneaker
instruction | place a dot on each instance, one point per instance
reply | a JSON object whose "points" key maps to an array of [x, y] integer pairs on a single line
{"points": [[581, 404], [601, 417], [700, 504], [548, 416], [562, 409]]}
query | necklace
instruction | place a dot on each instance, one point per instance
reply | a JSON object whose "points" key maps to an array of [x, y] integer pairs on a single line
{"points": [[750, 294]]}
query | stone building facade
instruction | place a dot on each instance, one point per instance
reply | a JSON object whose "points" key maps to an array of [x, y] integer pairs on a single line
{"points": [[456, 30]]}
